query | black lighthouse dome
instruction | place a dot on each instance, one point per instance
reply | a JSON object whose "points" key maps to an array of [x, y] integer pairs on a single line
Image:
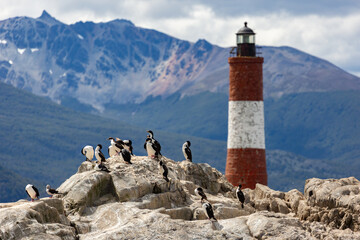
{"points": [[245, 30], [245, 40]]}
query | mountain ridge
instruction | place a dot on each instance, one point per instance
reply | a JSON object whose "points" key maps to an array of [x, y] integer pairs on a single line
{"points": [[126, 63]]}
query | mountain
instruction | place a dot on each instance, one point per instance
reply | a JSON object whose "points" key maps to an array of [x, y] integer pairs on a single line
{"points": [[117, 62]]}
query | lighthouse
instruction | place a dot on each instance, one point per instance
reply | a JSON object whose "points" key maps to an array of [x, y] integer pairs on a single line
{"points": [[246, 162]]}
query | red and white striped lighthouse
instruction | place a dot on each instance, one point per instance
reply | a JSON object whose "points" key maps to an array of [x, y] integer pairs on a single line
{"points": [[246, 163]]}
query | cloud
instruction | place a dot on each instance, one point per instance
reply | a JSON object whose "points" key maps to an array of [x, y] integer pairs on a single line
{"points": [[333, 38], [325, 28]]}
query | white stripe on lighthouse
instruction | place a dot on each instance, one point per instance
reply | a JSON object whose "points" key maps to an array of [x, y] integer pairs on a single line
{"points": [[246, 125]]}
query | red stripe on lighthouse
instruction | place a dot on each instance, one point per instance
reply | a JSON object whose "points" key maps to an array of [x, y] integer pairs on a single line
{"points": [[245, 79], [247, 167]]}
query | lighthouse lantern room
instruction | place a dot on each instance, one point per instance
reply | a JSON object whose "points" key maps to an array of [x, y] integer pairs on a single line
{"points": [[245, 40]]}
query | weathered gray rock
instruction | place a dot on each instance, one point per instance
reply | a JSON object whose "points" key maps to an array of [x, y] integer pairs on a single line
{"points": [[86, 166], [292, 198], [83, 189], [335, 202], [264, 198], [135, 202], [267, 225], [42, 219]]}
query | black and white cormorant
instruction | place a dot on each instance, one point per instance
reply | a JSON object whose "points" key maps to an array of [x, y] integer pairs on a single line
{"points": [[32, 191], [240, 195], [128, 146], [88, 152], [200, 192], [209, 211], [157, 145], [126, 156], [115, 146], [98, 154], [187, 151], [164, 171], [51, 191], [151, 149]]}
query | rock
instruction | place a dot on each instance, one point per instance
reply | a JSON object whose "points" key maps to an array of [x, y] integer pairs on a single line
{"points": [[179, 213], [262, 204], [332, 193], [266, 225], [262, 192], [199, 214], [135, 202], [228, 212], [42, 219], [303, 210], [332, 201], [278, 205], [86, 166], [205, 176], [83, 189], [265, 198], [292, 198]]}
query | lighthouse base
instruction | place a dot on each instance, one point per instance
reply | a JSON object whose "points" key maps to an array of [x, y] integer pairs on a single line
{"points": [[246, 166]]}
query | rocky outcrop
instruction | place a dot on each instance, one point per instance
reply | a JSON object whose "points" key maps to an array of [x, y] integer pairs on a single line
{"points": [[335, 202], [135, 202], [43, 219]]}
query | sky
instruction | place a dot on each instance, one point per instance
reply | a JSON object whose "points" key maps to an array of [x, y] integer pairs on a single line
{"points": [[329, 29]]}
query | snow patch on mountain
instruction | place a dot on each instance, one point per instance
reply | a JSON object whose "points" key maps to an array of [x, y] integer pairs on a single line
{"points": [[21, 50]]}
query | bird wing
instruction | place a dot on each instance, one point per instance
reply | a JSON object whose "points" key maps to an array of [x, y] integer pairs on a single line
{"points": [[126, 155], [240, 196], [119, 145], [211, 213], [202, 194], [101, 156], [37, 191], [53, 191], [157, 146], [166, 170], [188, 153]]}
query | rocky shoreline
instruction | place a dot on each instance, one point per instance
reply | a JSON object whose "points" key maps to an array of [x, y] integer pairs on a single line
{"points": [[135, 202]]}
